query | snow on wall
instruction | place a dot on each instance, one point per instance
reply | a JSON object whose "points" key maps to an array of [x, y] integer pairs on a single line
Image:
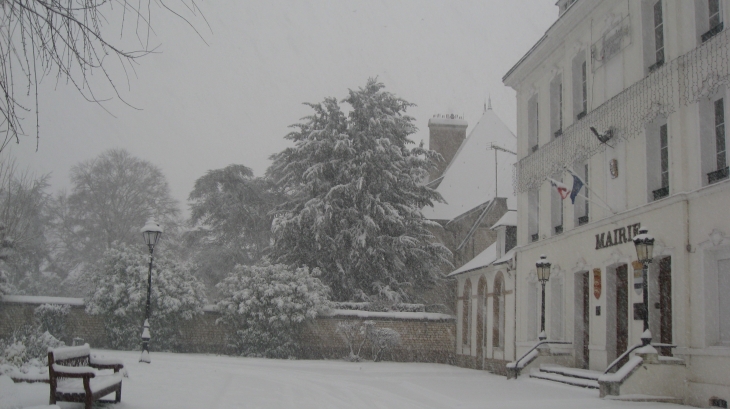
{"points": [[32, 299]]}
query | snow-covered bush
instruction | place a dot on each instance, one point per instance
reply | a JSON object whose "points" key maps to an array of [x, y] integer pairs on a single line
{"points": [[353, 333], [120, 293], [266, 305], [381, 339], [27, 346], [52, 318]]}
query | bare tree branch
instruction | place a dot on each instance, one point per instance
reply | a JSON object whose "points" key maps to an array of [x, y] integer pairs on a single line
{"points": [[68, 37]]}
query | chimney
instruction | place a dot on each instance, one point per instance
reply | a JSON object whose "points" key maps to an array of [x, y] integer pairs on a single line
{"points": [[446, 133]]}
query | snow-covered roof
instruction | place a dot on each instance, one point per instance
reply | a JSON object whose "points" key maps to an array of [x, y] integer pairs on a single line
{"points": [[509, 219], [469, 179], [507, 257], [483, 259]]}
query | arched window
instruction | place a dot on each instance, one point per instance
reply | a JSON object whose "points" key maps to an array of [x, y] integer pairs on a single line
{"points": [[498, 310], [466, 313], [481, 314]]}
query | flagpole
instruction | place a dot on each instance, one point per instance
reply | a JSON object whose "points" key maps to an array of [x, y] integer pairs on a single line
{"points": [[605, 205]]}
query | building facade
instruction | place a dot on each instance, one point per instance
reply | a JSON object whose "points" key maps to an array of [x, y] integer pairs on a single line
{"points": [[630, 97]]}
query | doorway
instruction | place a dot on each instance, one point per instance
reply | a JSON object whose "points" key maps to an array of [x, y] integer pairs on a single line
{"points": [[665, 304], [582, 320], [622, 311]]}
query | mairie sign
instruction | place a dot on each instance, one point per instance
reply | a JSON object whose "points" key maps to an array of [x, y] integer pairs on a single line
{"points": [[617, 236]]}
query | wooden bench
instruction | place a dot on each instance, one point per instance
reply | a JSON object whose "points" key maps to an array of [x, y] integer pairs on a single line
{"points": [[74, 377]]}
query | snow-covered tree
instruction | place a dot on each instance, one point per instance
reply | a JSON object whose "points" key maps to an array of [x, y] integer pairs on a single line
{"points": [[266, 305], [354, 193], [119, 294], [112, 197], [24, 249], [231, 214]]}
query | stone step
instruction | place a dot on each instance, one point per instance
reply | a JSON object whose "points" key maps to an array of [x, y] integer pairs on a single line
{"points": [[569, 380], [646, 398], [571, 372]]}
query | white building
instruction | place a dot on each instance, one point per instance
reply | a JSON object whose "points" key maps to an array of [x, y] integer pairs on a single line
{"points": [[651, 75]]}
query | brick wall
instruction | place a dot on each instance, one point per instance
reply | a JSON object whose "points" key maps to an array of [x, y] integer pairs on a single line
{"points": [[422, 340]]}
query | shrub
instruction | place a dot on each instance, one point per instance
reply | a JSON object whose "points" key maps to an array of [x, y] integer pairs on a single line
{"points": [[266, 305], [120, 293], [27, 345], [52, 318]]}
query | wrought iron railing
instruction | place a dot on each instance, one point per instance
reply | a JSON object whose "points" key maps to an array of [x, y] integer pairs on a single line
{"points": [[717, 175], [558, 229], [712, 32], [582, 220], [535, 237], [661, 193]]}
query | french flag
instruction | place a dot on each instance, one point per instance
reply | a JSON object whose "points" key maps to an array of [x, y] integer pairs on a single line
{"points": [[563, 190]]}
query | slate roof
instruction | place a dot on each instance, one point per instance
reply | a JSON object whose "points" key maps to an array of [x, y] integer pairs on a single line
{"points": [[469, 179]]}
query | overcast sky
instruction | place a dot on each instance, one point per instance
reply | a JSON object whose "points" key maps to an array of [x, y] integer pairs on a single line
{"points": [[203, 107]]}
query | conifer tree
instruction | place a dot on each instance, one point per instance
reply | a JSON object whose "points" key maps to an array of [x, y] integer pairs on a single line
{"points": [[354, 192]]}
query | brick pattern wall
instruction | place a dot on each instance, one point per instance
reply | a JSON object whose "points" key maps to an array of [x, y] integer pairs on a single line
{"points": [[421, 340]]}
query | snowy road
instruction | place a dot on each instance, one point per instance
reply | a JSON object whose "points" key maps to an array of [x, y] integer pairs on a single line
{"points": [[176, 381]]}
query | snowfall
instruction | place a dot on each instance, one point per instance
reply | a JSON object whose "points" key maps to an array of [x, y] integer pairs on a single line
{"points": [[174, 381]]}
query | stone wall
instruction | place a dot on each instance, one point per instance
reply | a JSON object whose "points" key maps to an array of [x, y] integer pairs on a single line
{"points": [[424, 337], [422, 340]]}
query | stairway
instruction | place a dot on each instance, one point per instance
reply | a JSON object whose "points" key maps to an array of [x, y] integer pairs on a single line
{"points": [[571, 376]]}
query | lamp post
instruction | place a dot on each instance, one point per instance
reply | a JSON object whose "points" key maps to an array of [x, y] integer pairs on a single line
{"points": [[151, 232], [543, 275], [644, 243]]}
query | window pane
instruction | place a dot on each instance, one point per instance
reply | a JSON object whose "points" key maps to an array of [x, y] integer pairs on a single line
{"points": [[720, 134], [714, 8], [723, 293]]}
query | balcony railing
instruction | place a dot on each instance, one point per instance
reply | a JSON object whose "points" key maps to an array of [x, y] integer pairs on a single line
{"points": [[712, 32], [582, 220], [656, 65], [535, 237], [680, 82], [660, 193], [717, 175], [559, 229]]}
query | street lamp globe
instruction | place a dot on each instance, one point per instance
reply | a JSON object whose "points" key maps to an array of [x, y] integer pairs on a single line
{"points": [[543, 269], [644, 244], [151, 232]]}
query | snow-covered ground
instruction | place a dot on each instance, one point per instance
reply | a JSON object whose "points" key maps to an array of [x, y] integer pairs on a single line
{"points": [[208, 381]]}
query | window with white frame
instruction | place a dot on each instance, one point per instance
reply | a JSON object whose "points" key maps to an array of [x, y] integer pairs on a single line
{"points": [[657, 159], [556, 106], [658, 33], [709, 19], [556, 208], [581, 207], [580, 86], [533, 215], [713, 140], [533, 124]]}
